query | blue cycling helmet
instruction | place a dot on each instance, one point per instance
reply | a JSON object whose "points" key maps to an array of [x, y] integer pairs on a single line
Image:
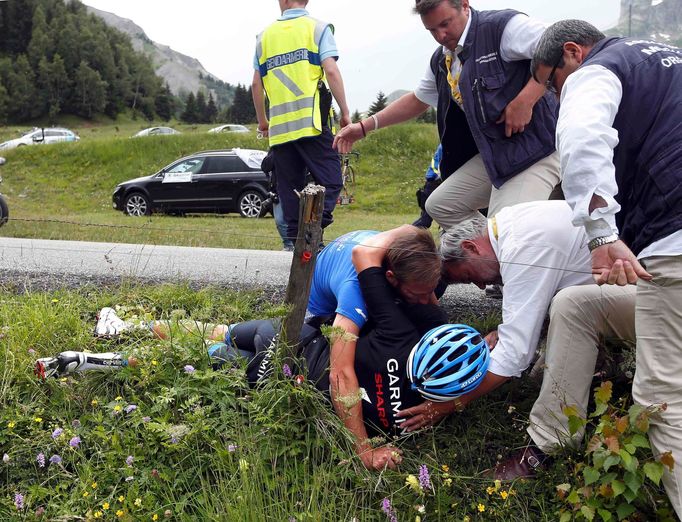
{"points": [[447, 362]]}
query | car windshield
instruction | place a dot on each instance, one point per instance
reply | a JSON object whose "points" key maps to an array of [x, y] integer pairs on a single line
{"points": [[191, 165]]}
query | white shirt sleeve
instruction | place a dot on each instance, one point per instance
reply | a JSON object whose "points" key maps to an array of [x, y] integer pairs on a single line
{"points": [[528, 292], [585, 140], [520, 38], [426, 90]]}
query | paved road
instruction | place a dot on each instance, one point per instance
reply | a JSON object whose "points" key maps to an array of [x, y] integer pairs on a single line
{"points": [[46, 264]]}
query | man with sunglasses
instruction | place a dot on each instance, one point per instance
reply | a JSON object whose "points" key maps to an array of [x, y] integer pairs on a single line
{"points": [[619, 137], [496, 124]]}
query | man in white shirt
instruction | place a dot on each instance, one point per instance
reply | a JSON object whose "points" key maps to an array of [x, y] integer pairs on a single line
{"points": [[542, 259], [496, 124], [620, 140]]}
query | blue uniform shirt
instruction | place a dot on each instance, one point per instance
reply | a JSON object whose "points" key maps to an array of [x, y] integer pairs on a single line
{"points": [[335, 288], [327, 41]]}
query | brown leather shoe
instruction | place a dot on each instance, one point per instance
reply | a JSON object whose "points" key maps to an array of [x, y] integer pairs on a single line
{"points": [[523, 464]]}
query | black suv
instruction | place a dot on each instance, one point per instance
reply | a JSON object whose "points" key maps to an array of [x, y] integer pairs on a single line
{"points": [[210, 181]]}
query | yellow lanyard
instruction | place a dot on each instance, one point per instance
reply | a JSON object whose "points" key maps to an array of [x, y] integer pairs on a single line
{"points": [[454, 82]]}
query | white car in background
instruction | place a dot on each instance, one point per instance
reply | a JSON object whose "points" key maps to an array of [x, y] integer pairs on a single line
{"points": [[38, 136], [156, 131], [230, 127]]}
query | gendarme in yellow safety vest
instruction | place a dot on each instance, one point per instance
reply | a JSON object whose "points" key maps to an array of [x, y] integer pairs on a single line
{"points": [[288, 54]]}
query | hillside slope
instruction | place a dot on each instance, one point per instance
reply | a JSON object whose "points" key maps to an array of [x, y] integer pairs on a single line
{"points": [[183, 73]]}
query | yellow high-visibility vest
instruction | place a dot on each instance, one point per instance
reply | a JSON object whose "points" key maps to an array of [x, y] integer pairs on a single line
{"points": [[288, 54]]}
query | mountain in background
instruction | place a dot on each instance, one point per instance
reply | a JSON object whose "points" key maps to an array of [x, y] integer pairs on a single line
{"points": [[183, 73], [659, 20]]}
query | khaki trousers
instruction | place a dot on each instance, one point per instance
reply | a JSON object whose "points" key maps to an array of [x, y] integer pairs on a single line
{"points": [[658, 378], [468, 189], [578, 315]]}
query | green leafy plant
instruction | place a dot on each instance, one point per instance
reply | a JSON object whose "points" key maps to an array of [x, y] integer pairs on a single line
{"points": [[619, 478]]}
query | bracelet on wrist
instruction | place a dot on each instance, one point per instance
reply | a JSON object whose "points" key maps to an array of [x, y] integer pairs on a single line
{"points": [[601, 241], [376, 121], [459, 405], [364, 132]]}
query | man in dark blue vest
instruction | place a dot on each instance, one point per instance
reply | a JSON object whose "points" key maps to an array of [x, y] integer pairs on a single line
{"points": [[619, 137], [496, 124]]}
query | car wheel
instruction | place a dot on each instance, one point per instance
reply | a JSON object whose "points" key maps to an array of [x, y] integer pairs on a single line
{"points": [[250, 203], [4, 211], [137, 204]]}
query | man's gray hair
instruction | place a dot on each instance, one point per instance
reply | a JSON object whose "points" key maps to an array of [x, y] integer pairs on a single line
{"points": [[422, 7], [550, 49], [451, 241]]}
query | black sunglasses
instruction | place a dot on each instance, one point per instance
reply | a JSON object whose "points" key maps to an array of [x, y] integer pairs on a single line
{"points": [[549, 83]]}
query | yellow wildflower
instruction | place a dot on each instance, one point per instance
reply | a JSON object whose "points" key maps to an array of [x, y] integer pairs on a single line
{"points": [[85, 494], [138, 501], [94, 402], [413, 482], [105, 506], [155, 517], [121, 498], [63, 379], [490, 490], [466, 519], [55, 300], [504, 495], [11, 424], [38, 419], [445, 468], [98, 514], [119, 513], [93, 485], [498, 484], [154, 363], [119, 398], [118, 407], [481, 508], [447, 482]]}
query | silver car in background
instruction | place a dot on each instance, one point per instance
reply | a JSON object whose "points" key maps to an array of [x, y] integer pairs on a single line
{"points": [[41, 136]]}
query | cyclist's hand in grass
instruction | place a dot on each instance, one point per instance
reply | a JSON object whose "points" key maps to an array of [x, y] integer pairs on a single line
{"points": [[344, 139], [382, 458]]}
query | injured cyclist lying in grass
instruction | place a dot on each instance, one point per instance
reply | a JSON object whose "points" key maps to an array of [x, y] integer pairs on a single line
{"points": [[407, 353]]}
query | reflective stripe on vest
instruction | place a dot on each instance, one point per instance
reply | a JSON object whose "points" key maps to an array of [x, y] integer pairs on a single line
{"points": [[289, 65]]}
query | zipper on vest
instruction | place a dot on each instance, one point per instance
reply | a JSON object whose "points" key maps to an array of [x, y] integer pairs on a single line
{"points": [[477, 88]]}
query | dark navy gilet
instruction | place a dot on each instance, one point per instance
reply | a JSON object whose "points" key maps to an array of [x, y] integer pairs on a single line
{"points": [[488, 84], [648, 158]]}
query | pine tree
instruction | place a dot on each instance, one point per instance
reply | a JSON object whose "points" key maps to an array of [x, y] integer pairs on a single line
{"points": [[189, 115], [356, 116], [22, 91], [200, 107], [378, 105], [165, 103], [211, 113]]}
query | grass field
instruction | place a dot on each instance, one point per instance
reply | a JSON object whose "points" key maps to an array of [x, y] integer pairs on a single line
{"points": [[63, 191]]}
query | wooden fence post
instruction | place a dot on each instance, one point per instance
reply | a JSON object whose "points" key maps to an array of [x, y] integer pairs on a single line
{"points": [[302, 265]]}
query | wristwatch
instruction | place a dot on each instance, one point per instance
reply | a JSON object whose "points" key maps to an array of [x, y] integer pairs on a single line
{"points": [[601, 241]]}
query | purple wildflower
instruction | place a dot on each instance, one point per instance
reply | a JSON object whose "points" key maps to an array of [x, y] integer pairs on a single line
{"points": [[40, 459], [189, 368], [55, 459], [5, 458], [56, 433], [424, 477], [174, 440], [19, 501], [76, 423], [129, 460], [387, 508], [146, 419], [31, 351], [287, 371], [75, 441], [130, 408], [232, 448]]}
